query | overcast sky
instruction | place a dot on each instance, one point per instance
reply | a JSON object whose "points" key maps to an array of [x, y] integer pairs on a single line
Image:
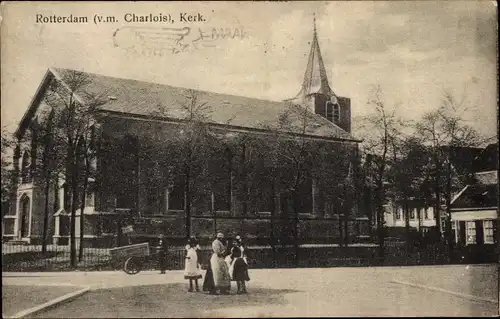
{"points": [[413, 50]]}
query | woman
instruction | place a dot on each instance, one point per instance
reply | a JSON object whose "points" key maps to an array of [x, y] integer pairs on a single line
{"points": [[220, 271]]}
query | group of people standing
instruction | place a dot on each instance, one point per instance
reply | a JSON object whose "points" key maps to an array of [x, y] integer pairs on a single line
{"points": [[225, 265]]}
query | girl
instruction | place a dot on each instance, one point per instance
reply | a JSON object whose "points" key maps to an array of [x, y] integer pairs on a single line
{"points": [[192, 269], [239, 267]]}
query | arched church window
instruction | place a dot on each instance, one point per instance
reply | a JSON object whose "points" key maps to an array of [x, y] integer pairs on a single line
{"points": [[25, 167], [329, 111], [336, 113]]}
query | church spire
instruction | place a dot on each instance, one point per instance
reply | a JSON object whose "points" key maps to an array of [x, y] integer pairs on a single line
{"points": [[315, 78]]}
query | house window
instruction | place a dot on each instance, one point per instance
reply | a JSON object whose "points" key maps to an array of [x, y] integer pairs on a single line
{"points": [[412, 213], [443, 225], [471, 232], [488, 232], [398, 213], [426, 213]]}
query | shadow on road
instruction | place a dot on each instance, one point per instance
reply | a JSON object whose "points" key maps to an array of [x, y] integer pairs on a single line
{"points": [[167, 300]]}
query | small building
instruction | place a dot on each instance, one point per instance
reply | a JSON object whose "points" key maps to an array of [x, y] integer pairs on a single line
{"points": [[474, 211], [466, 162]]}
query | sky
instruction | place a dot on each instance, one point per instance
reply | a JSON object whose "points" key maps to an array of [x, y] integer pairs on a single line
{"points": [[413, 50]]}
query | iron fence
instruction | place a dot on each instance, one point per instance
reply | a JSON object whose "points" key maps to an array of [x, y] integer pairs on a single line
{"points": [[57, 258]]}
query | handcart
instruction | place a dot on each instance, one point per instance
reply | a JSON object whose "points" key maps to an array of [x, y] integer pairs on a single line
{"points": [[133, 257]]}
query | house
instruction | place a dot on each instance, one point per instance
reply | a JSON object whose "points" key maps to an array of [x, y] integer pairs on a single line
{"points": [[144, 172], [465, 163], [474, 211]]}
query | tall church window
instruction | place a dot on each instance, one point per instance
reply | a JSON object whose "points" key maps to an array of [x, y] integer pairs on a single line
{"points": [[221, 192], [329, 111], [126, 190], [336, 113], [176, 196], [332, 111], [25, 168]]}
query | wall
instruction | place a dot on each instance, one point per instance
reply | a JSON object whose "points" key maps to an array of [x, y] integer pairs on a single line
{"points": [[345, 113]]}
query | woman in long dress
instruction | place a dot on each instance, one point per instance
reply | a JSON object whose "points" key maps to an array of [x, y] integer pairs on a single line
{"points": [[220, 270]]}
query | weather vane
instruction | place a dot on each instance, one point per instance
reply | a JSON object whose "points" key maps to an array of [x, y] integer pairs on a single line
{"points": [[314, 22]]}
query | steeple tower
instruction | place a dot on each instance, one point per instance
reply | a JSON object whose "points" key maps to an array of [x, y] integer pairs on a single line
{"points": [[315, 78], [316, 93]]}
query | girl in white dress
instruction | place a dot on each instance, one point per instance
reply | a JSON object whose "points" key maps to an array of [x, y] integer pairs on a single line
{"points": [[192, 270]]}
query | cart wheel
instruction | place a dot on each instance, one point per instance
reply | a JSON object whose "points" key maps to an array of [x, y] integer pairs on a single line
{"points": [[132, 266]]}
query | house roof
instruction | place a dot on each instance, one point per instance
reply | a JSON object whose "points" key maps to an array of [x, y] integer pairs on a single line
{"points": [[132, 97], [487, 160], [477, 196], [463, 159], [487, 178]]}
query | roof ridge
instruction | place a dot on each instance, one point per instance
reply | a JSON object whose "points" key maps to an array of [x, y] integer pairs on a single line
{"points": [[172, 86]]}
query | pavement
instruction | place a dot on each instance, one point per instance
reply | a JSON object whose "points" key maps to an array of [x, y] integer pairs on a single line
{"points": [[369, 291]]}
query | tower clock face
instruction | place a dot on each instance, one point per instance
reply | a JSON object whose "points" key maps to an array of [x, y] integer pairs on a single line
{"points": [[334, 100]]}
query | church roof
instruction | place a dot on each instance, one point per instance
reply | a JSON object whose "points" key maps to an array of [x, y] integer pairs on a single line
{"points": [[139, 98]]}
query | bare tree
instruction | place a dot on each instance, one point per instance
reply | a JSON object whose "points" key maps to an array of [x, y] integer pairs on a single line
{"points": [[408, 177], [70, 96], [292, 155], [381, 131], [190, 148], [8, 171], [444, 131]]}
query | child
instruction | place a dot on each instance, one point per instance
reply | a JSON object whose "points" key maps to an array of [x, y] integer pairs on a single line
{"points": [[192, 269], [239, 268]]}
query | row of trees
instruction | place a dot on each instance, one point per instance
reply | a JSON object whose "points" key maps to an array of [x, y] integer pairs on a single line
{"points": [[280, 161], [67, 138], [414, 159], [402, 160]]}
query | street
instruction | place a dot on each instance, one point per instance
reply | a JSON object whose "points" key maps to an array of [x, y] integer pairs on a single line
{"points": [[385, 291]]}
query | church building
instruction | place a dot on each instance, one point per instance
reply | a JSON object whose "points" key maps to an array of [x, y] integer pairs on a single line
{"points": [[184, 162]]}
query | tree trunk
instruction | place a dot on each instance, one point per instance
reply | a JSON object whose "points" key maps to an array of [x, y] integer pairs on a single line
{"points": [[346, 221], [187, 203], [380, 221], [448, 232], [406, 213], [82, 208], [46, 213], [437, 205], [74, 200], [296, 226], [273, 214], [341, 231]]}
